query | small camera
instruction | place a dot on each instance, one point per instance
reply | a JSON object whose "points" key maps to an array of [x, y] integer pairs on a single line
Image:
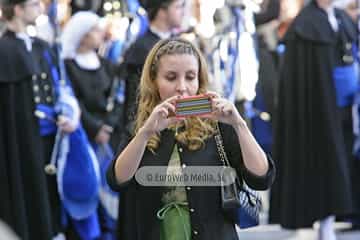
{"points": [[193, 106]]}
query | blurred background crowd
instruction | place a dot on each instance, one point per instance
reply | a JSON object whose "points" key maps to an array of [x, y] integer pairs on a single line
{"points": [[69, 73]]}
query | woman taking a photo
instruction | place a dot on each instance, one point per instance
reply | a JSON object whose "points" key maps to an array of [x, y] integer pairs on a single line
{"points": [[174, 69]]}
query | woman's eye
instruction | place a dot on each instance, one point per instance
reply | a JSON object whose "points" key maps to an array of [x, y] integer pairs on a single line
{"points": [[170, 78], [190, 78]]}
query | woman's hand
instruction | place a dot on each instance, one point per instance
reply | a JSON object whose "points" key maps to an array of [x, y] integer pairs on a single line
{"points": [[255, 159], [161, 117], [224, 111]]}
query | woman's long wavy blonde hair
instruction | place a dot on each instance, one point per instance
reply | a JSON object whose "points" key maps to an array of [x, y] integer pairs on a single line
{"points": [[194, 130]]}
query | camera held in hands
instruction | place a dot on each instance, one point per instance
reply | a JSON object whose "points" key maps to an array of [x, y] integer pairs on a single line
{"points": [[193, 106]]}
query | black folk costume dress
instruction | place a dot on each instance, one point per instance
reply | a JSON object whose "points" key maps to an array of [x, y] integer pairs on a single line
{"points": [[29, 201], [93, 87], [313, 178]]}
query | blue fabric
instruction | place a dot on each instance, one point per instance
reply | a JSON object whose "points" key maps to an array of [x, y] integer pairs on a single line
{"points": [[104, 155], [108, 224], [355, 51], [281, 49], [120, 93], [144, 25], [244, 220], [54, 72], [88, 228], [80, 177], [133, 5], [140, 23], [52, 12], [356, 127], [109, 200], [47, 124], [249, 110], [64, 107], [346, 84], [261, 129], [77, 171], [115, 51]]}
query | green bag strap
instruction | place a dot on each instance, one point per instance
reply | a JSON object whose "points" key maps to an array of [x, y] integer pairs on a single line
{"points": [[162, 213]]}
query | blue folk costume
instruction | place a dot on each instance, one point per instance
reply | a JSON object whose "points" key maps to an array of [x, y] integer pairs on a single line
{"points": [[72, 158], [100, 107], [78, 174]]}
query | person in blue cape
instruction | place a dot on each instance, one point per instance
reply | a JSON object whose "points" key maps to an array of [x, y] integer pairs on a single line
{"points": [[95, 85], [313, 130]]}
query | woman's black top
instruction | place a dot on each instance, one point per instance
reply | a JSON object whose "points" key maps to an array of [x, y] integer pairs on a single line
{"points": [[139, 204]]}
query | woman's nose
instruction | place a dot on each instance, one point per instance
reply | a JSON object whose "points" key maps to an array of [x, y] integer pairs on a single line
{"points": [[181, 87]]}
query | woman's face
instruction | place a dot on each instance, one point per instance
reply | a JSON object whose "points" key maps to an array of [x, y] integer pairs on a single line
{"points": [[177, 75], [94, 38]]}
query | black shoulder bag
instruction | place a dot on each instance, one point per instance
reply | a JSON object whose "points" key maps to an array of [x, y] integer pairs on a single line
{"points": [[237, 196]]}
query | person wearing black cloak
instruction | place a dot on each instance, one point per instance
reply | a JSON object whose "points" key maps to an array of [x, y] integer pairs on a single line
{"points": [[164, 17], [27, 203], [312, 133]]}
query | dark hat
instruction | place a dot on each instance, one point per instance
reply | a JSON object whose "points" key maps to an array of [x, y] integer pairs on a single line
{"points": [[153, 5], [11, 2]]}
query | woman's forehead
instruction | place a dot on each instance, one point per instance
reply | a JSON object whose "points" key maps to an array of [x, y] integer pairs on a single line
{"points": [[179, 61]]}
